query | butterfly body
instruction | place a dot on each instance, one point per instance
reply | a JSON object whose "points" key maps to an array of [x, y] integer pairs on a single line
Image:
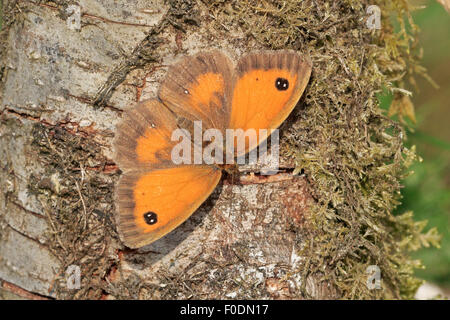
{"points": [[200, 93]]}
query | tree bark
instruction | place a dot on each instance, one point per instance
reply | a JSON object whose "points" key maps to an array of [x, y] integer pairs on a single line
{"points": [[58, 120], [63, 89]]}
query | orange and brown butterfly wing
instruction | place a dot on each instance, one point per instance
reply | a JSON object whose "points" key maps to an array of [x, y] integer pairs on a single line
{"points": [[143, 138], [266, 87], [152, 204], [151, 183], [196, 89]]}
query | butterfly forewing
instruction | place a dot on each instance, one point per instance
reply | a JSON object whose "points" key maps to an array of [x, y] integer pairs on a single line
{"points": [[266, 88]]}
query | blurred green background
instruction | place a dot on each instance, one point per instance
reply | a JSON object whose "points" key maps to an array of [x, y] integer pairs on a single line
{"points": [[427, 191]]}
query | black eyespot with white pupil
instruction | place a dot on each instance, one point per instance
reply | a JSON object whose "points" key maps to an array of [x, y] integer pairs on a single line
{"points": [[150, 218], [282, 84]]}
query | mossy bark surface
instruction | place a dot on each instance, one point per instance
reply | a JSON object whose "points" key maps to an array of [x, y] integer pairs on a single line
{"points": [[309, 232]]}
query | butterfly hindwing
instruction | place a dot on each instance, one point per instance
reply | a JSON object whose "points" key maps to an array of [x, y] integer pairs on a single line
{"points": [[151, 183], [143, 138], [151, 204], [196, 88]]}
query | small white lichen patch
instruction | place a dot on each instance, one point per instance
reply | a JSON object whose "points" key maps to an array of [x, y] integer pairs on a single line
{"points": [[250, 217], [251, 194], [269, 215], [54, 178], [212, 275], [268, 270], [85, 123], [295, 258], [257, 254]]}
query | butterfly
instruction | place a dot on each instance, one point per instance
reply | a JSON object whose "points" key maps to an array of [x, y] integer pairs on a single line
{"points": [[153, 194]]}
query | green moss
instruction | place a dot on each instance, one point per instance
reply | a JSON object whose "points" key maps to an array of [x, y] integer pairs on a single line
{"points": [[351, 152]]}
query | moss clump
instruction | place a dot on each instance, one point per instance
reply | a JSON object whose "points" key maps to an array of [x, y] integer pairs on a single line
{"points": [[352, 154], [75, 194]]}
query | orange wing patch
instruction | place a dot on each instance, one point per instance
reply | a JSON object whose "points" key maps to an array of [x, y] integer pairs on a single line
{"points": [[153, 146], [196, 87], [143, 138], [266, 88], [154, 203], [257, 101], [205, 94]]}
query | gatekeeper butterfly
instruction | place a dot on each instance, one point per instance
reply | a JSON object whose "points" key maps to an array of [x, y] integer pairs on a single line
{"points": [[154, 195]]}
